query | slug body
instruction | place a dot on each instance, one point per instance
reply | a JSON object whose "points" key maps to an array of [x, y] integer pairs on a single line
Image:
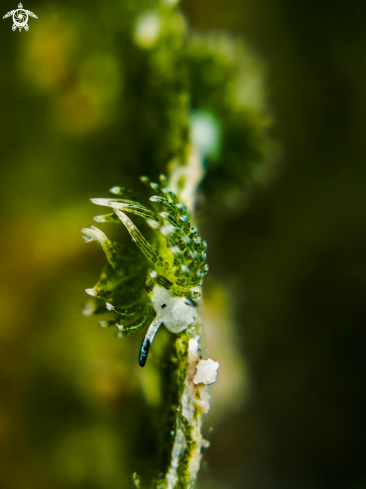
{"points": [[174, 262]]}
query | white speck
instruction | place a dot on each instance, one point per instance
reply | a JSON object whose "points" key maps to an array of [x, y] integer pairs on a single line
{"points": [[171, 2], [147, 29], [193, 345], [109, 306], [92, 292], [205, 133], [88, 235], [116, 190], [206, 372], [105, 202], [205, 443], [153, 224], [167, 229], [88, 309], [99, 218], [86, 238]]}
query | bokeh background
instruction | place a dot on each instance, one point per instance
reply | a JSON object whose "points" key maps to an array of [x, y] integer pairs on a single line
{"points": [[287, 266]]}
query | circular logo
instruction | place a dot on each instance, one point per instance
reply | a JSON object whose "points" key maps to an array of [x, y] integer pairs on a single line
{"points": [[20, 17]]}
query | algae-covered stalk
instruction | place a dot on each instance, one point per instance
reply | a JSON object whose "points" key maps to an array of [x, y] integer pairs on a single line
{"points": [[161, 286]]}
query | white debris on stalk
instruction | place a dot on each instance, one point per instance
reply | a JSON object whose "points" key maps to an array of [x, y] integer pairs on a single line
{"points": [[194, 402], [206, 372]]}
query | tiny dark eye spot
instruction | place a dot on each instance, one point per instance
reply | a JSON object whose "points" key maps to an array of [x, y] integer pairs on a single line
{"points": [[163, 306]]}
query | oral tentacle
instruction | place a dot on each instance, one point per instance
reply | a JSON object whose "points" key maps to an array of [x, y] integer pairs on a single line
{"points": [[148, 339]]}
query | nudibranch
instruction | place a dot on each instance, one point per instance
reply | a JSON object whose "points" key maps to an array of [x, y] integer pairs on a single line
{"points": [[172, 267]]}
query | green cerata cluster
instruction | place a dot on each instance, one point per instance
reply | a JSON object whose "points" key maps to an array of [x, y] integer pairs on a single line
{"points": [[157, 284]]}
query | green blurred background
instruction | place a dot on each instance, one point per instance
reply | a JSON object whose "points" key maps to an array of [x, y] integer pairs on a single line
{"points": [[287, 270]]}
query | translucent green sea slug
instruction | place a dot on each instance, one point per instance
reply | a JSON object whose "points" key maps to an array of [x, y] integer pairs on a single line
{"points": [[159, 286]]}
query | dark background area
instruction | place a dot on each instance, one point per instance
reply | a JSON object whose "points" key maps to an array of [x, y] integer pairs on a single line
{"points": [[296, 259], [302, 253]]}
